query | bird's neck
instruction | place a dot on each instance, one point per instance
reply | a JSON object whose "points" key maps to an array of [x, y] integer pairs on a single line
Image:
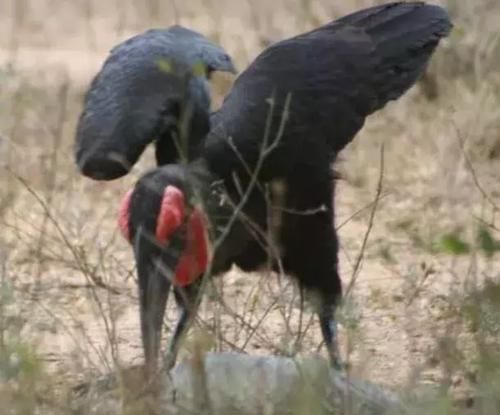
{"points": [[212, 196]]}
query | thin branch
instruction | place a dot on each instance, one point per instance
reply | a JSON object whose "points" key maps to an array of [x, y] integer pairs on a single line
{"points": [[359, 259], [471, 169]]}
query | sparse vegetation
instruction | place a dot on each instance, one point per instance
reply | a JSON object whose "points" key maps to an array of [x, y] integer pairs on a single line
{"points": [[423, 316]]}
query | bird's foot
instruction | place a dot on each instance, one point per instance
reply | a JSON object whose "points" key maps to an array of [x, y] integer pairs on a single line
{"points": [[334, 356], [331, 337], [337, 363], [168, 364], [169, 361]]}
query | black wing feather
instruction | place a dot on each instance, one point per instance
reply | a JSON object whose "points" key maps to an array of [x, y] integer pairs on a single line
{"points": [[138, 95], [337, 75]]}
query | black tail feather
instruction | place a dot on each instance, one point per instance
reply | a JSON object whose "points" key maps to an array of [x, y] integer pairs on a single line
{"points": [[405, 35]]}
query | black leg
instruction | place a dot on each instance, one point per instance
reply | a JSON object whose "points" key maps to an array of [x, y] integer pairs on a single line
{"points": [[310, 243], [328, 326], [187, 301]]}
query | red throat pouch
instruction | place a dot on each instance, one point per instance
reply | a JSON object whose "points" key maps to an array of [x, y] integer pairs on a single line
{"points": [[195, 257]]}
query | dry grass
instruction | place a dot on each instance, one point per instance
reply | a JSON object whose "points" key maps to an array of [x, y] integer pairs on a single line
{"points": [[67, 290]]}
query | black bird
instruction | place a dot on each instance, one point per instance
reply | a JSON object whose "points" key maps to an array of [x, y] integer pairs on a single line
{"points": [[151, 87], [263, 187]]}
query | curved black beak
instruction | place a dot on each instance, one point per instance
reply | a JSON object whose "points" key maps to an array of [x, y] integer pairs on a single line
{"points": [[155, 270]]}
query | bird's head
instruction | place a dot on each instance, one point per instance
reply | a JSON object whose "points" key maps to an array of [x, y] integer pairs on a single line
{"points": [[197, 48], [164, 215]]}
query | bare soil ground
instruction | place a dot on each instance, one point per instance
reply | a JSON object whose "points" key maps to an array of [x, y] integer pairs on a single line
{"points": [[404, 316]]}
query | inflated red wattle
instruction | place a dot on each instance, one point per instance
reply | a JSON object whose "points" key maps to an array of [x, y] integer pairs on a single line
{"points": [[194, 259], [123, 215], [171, 213], [195, 256]]}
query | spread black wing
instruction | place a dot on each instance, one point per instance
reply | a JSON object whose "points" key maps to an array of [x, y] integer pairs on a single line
{"points": [[329, 80]]}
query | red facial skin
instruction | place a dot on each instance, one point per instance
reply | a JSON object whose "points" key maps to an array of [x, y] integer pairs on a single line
{"points": [[123, 214], [171, 214], [194, 259]]}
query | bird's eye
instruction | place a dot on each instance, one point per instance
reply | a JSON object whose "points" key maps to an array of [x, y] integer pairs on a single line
{"points": [[210, 71]]}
